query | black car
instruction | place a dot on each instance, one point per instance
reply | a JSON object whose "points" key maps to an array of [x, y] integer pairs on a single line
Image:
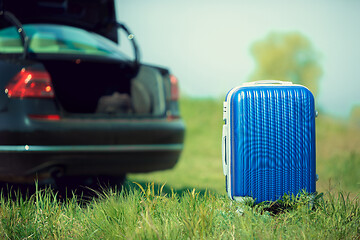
{"points": [[72, 104]]}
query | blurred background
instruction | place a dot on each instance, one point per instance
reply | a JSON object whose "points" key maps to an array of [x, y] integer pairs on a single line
{"points": [[212, 46]]}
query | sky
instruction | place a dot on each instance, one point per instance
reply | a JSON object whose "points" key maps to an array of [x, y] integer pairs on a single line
{"points": [[206, 43]]}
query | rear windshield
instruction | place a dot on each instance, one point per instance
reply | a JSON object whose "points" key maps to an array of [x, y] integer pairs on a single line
{"points": [[51, 38]]}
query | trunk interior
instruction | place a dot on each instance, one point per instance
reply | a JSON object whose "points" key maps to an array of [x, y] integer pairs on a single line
{"points": [[92, 87]]}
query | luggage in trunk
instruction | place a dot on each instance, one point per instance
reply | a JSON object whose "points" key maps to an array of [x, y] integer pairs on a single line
{"points": [[269, 141], [86, 87]]}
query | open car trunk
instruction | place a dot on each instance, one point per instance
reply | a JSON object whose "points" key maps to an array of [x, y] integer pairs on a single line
{"points": [[89, 87], [92, 15]]}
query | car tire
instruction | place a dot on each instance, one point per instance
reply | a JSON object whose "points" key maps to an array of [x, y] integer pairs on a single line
{"points": [[87, 185]]}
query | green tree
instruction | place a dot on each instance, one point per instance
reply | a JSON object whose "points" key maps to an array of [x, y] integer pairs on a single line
{"points": [[289, 57]]}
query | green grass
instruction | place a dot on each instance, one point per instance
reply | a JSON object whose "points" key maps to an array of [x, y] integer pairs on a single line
{"points": [[193, 204], [150, 213]]}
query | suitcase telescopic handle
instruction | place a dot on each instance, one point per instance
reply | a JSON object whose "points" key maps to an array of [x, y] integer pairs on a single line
{"points": [[223, 148], [260, 82]]}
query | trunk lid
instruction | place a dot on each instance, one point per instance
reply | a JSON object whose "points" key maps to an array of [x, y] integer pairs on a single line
{"points": [[97, 16]]}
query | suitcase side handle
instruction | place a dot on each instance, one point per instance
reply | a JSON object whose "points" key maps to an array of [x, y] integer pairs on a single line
{"points": [[223, 148], [260, 82]]}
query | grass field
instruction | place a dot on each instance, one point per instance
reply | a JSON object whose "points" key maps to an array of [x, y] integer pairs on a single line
{"points": [[189, 201]]}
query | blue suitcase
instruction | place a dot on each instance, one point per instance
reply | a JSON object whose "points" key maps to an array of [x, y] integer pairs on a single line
{"points": [[268, 145]]}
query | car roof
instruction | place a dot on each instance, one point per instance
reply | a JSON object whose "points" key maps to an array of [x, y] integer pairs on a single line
{"points": [[93, 15]]}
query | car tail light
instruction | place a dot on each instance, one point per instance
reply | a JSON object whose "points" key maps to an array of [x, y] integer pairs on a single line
{"points": [[174, 88], [29, 83], [52, 117]]}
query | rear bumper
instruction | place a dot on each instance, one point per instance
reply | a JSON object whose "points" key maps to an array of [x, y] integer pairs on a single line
{"points": [[90, 147], [68, 131], [86, 160]]}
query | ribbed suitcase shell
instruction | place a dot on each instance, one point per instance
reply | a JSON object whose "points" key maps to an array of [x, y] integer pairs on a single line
{"points": [[270, 145]]}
